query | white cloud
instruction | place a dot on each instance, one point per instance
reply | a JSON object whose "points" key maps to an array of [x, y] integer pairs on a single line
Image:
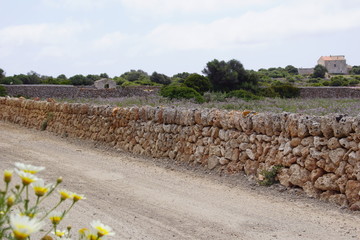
{"points": [[189, 6], [77, 4], [45, 33], [110, 40], [294, 19]]}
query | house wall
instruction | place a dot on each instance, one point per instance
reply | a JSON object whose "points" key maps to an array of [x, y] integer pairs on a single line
{"points": [[319, 154], [336, 67]]}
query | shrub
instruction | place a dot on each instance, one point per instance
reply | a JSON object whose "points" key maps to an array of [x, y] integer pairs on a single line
{"points": [[267, 92], [339, 81], [181, 92], [2, 91], [267, 177], [286, 90], [354, 82], [200, 83], [128, 84], [243, 94]]}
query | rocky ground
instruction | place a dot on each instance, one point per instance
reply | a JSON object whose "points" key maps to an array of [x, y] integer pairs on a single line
{"points": [[143, 198]]}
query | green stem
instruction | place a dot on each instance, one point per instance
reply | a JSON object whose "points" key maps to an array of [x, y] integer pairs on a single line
{"points": [[52, 209]]}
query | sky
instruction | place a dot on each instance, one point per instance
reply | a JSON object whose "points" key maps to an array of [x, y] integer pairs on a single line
{"points": [[53, 37]]}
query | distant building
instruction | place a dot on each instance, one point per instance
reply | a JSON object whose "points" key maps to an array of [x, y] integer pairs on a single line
{"points": [[334, 64], [104, 83]]}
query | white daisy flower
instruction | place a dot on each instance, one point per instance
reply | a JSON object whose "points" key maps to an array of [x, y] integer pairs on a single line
{"points": [[23, 226], [28, 168], [102, 229]]}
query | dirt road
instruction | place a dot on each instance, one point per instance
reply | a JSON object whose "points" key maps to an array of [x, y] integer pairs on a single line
{"points": [[141, 199]]}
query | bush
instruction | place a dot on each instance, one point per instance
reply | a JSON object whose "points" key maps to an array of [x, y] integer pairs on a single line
{"points": [[181, 92], [243, 94], [286, 90], [200, 83], [267, 92], [128, 84], [2, 91], [339, 81], [354, 82]]}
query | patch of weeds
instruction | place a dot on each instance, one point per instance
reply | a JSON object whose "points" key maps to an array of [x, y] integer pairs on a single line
{"points": [[44, 124], [267, 177]]}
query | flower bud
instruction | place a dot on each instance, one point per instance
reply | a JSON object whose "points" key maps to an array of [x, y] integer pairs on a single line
{"points": [[10, 201], [7, 176], [59, 180]]}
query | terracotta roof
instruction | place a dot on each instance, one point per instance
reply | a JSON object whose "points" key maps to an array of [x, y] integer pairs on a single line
{"points": [[332, 58]]}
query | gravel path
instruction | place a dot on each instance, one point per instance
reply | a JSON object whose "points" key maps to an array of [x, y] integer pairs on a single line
{"points": [[143, 199]]}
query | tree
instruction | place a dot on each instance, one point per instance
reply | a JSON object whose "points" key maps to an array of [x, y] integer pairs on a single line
{"points": [[198, 82], [135, 75], [180, 77], [78, 79], [62, 77], [2, 74], [319, 71], [160, 78], [104, 75], [291, 69], [33, 78], [355, 70], [226, 76]]}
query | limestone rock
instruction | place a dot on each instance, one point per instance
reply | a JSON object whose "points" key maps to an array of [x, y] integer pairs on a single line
{"points": [[333, 143], [352, 191], [339, 199], [250, 154], [337, 155], [298, 176], [213, 161], [310, 190], [327, 182], [284, 177], [251, 167]]}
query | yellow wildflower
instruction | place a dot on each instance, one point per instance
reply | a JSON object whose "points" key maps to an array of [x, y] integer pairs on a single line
{"points": [[39, 188], [102, 229], [26, 178], [77, 197], [55, 217], [65, 194]]}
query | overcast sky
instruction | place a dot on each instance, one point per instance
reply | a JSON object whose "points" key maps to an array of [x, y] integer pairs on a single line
{"points": [[71, 37]]}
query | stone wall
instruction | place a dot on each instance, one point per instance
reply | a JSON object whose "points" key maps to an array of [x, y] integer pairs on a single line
{"points": [[330, 92], [319, 154], [69, 91]]}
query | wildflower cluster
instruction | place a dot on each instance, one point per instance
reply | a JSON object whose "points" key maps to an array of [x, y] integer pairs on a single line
{"points": [[22, 215]]}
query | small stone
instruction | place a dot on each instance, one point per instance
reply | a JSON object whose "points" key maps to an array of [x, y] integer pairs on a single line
{"points": [[333, 143], [213, 161]]}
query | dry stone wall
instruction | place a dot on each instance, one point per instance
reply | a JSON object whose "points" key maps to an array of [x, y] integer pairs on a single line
{"points": [[318, 154], [69, 91]]}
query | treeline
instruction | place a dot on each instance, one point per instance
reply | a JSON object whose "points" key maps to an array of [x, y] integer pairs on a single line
{"points": [[228, 77]]}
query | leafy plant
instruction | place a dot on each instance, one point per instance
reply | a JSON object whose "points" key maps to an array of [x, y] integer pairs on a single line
{"points": [[2, 91], [268, 177]]}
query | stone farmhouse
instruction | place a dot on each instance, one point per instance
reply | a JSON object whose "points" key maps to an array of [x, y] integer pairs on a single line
{"points": [[334, 64], [104, 83]]}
